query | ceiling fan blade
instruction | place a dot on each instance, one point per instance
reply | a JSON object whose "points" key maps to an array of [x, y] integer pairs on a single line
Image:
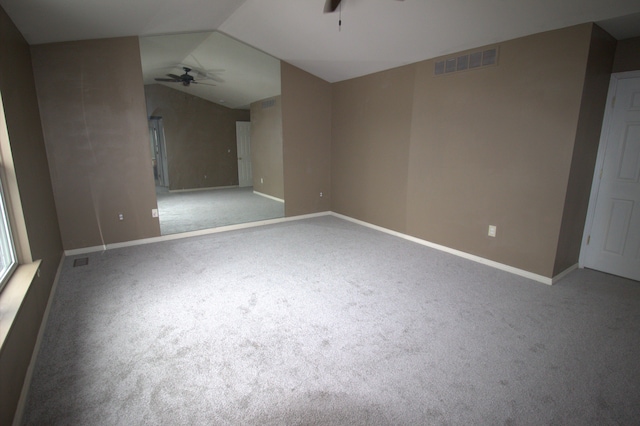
{"points": [[168, 80], [203, 84], [175, 77], [331, 6], [215, 78]]}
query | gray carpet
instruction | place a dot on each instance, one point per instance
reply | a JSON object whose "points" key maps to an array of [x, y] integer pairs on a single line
{"points": [[195, 210], [322, 321]]}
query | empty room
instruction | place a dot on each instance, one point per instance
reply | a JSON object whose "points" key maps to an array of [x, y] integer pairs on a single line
{"points": [[325, 212]]}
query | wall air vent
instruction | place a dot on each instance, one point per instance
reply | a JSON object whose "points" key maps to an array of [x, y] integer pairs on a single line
{"points": [[268, 103], [473, 60]]}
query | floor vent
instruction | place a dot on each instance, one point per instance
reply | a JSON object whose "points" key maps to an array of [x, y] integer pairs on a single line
{"points": [[83, 261], [473, 60]]}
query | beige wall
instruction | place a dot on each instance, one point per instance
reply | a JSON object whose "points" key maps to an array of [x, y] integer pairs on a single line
{"points": [[442, 158], [32, 171], [266, 147], [371, 128], [627, 55], [93, 113], [200, 138], [594, 98], [306, 131]]}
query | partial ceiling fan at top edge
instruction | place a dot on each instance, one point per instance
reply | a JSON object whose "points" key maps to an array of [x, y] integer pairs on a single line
{"points": [[332, 5]]}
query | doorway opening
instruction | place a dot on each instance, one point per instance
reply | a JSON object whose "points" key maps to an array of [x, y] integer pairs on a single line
{"points": [[158, 152]]}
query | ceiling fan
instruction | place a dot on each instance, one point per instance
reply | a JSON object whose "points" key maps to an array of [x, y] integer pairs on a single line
{"points": [[209, 74], [332, 5], [186, 79]]}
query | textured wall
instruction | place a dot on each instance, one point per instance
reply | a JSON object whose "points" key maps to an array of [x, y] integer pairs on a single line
{"points": [[443, 157], [200, 138], [266, 147], [306, 133], [585, 150], [93, 113], [371, 129]]}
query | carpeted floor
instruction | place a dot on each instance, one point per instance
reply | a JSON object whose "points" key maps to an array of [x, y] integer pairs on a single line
{"points": [[195, 210], [322, 321]]}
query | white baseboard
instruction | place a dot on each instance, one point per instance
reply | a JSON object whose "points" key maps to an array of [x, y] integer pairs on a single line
{"points": [[271, 197], [19, 414], [472, 257], [84, 250], [209, 231], [478, 259], [209, 188]]}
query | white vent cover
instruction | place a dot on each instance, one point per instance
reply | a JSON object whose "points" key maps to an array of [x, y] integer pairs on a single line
{"points": [[473, 60]]}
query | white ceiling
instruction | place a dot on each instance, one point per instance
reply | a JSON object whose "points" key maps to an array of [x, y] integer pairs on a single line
{"points": [[228, 72], [381, 34], [375, 34], [47, 21]]}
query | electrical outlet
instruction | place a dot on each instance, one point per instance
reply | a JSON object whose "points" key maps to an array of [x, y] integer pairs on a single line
{"points": [[120, 216], [492, 230], [154, 212], [261, 180], [320, 194]]}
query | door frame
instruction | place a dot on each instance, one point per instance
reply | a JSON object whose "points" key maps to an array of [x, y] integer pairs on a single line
{"points": [[162, 150], [602, 149], [245, 125]]}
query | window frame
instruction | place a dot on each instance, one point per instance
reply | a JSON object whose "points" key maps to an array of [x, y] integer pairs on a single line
{"points": [[8, 251], [14, 214]]}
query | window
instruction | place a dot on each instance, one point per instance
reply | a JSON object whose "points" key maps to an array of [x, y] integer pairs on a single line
{"points": [[8, 260]]}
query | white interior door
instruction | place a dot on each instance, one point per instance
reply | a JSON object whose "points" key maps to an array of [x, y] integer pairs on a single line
{"points": [[243, 137], [613, 238]]}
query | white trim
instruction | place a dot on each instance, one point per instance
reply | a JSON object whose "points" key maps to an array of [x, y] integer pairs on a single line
{"points": [[12, 194], [271, 197], [602, 147], [13, 296], [209, 231], [84, 250], [209, 188], [626, 74], [478, 259], [564, 273], [19, 413], [468, 256]]}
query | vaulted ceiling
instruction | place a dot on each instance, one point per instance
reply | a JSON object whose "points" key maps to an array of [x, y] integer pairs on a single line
{"points": [[374, 35], [226, 71]]}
